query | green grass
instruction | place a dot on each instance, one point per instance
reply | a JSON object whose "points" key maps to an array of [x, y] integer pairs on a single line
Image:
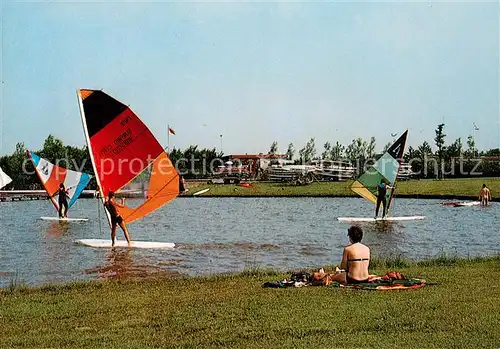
{"points": [[234, 311], [468, 187]]}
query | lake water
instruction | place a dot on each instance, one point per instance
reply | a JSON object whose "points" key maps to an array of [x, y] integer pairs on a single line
{"points": [[217, 235]]}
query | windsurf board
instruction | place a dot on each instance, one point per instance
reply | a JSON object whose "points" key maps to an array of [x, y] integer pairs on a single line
{"points": [[201, 192], [64, 219], [101, 243], [367, 219]]}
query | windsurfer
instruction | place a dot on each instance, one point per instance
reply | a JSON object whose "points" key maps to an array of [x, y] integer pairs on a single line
{"points": [[381, 197], [116, 219], [484, 195], [63, 201]]}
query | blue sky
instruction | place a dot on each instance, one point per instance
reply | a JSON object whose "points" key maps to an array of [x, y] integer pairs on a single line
{"points": [[254, 72]]}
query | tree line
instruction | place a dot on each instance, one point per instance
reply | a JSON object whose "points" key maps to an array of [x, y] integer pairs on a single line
{"points": [[193, 162], [445, 160]]}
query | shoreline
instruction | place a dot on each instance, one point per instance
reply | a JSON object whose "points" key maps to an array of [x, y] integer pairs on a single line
{"points": [[404, 196], [459, 310]]}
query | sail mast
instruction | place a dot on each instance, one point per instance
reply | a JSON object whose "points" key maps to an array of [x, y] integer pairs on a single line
{"points": [[89, 146], [400, 160]]}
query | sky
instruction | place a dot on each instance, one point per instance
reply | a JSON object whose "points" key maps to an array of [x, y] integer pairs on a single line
{"points": [[254, 72]]}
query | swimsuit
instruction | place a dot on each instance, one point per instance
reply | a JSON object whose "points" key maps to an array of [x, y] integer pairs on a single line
{"points": [[354, 281], [350, 280], [113, 214]]}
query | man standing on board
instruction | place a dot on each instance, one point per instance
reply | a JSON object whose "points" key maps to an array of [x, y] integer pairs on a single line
{"points": [[381, 197], [484, 196], [62, 200], [116, 219]]}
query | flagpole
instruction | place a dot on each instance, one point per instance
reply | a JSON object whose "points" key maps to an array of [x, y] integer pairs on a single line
{"points": [[168, 138]]}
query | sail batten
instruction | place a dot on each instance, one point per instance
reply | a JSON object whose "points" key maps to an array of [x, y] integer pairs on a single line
{"points": [[124, 149], [385, 168]]}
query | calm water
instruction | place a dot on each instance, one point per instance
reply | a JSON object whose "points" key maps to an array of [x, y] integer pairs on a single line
{"points": [[215, 235]]}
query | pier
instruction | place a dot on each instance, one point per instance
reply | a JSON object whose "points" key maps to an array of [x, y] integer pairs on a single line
{"points": [[24, 195]]}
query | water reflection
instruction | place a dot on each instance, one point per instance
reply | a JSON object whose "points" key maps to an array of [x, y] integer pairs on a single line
{"points": [[57, 229], [120, 263]]}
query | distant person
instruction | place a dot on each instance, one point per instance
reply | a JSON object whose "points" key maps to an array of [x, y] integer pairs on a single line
{"points": [[381, 197], [355, 260], [484, 196], [182, 185], [116, 219], [62, 200]]}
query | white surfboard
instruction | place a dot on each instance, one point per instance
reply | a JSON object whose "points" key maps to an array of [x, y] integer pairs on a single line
{"points": [[363, 219], [64, 219], [101, 243], [201, 191]]}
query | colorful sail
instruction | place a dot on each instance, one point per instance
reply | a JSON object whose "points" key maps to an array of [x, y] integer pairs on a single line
{"points": [[4, 179], [122, 149], [52, 176], [386, 168]]}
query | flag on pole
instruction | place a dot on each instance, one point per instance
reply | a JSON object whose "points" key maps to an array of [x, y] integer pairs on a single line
{"points": [[171, 130]]}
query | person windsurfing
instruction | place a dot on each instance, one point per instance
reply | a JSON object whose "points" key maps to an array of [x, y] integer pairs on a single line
{"points": [[484, 196], [62, 200], [115, 217], [382, 198]]}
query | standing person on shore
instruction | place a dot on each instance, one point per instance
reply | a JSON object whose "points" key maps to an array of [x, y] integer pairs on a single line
{"points": [[116, 219], [484, 196]]}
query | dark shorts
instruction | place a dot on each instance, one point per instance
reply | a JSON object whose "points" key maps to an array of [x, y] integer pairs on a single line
{"points": [[116, 220], [354, 281]]}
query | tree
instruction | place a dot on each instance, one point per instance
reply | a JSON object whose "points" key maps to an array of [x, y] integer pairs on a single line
{"points": [[453, 157], [439, 139], [423, 151], [356, 153], [274, 148], [370, 149], [308, 152], [337, 152], [386, 147], [290, 152], [327, 152], [472, 146], [54, 151]]}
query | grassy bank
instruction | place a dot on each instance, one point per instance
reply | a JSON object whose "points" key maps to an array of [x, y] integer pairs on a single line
{"points": [[462, 311], [448, 188]]}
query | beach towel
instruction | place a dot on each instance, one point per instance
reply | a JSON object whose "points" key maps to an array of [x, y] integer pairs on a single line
{"points": [[390, 281]]}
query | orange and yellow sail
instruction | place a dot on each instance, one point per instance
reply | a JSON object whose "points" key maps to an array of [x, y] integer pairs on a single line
{"points": [[122, 148]]}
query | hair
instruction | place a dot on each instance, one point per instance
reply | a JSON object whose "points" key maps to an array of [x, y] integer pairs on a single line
{"points": [[62, 186], [484, 185], [111, 194], [355, 233]]}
